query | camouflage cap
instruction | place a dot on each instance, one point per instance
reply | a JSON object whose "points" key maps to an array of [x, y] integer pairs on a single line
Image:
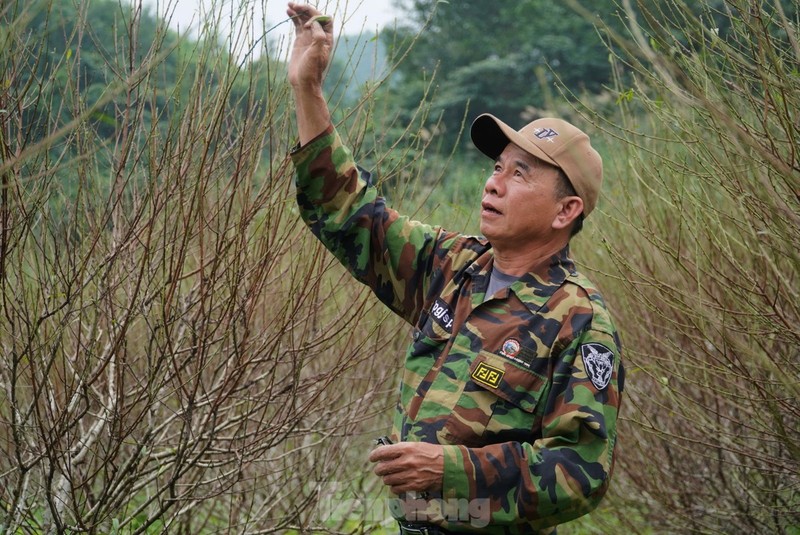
{"points": [[555, 141]]}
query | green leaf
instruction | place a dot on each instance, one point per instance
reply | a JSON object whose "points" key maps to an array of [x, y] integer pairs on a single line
{"points": [[104, 118], [626, 96]]}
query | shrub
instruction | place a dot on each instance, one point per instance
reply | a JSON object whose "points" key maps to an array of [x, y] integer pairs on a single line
{"points": [[699, 242]]}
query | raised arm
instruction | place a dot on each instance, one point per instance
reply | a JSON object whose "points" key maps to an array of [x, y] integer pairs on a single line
{"points": [[310, 57]]}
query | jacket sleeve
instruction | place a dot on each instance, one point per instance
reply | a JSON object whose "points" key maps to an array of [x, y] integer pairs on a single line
{"points": [[565, 472], [390, 253]]}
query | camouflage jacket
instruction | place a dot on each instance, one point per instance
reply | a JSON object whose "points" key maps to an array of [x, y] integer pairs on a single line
{"points": [[522, 389]]}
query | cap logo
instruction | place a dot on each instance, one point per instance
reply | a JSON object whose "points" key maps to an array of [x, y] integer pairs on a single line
{"points": [[545, 133]]}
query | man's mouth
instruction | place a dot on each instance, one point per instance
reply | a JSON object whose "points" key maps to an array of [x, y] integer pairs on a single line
{"points": [[489, 208]]}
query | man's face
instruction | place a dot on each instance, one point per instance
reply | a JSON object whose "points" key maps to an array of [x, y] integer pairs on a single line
{"points": [[519, 201]]}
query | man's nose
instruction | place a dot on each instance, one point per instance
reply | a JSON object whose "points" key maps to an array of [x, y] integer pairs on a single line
{"points": [[494, 184]]}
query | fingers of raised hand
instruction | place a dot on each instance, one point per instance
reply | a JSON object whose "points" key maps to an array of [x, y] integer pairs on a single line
{"points": [[305, 15]]}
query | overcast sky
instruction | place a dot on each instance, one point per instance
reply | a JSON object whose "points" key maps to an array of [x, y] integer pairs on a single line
{"points": [[356, 15]]}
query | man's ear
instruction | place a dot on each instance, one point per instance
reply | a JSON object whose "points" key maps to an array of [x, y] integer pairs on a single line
{"points": [[570, 208]]}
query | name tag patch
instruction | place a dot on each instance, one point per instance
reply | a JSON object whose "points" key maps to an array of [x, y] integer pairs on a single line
{"points": [[487, 375], [441, 313]]}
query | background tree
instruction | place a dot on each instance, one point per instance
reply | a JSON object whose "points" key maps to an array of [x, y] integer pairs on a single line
{"points": [[501, 57]]}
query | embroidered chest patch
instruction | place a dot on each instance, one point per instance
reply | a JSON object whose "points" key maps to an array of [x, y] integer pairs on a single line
{"points": [[598, 361], [487, 375], [510, 348]]}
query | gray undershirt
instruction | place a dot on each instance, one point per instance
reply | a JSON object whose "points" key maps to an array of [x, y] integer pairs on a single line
{"points": [[497, 281]]}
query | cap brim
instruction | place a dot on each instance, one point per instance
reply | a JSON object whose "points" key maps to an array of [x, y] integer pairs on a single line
{"points": [[490, 135]]}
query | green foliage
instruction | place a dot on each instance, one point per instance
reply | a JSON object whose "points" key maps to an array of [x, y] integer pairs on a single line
{"points": [[502, 58]]}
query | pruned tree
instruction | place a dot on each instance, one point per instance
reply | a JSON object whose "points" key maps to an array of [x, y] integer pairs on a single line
{"points": [[176, 355]]}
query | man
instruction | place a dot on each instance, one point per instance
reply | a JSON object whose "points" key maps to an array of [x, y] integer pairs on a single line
{"points": [[506, 422]]}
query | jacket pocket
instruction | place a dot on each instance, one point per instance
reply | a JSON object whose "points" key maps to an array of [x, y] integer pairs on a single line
{"points": [[428, 342], [498, 403]]}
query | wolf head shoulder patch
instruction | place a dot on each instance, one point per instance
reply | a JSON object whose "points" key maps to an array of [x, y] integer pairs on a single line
{"points": [[598, 361]]}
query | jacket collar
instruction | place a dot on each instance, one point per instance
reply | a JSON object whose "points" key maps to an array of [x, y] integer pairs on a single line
{"points": [[534, 288]]}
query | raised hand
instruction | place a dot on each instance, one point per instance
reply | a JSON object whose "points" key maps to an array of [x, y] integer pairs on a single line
{"points": [[313, 45]]}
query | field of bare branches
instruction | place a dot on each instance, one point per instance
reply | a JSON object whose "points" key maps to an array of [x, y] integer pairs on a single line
{"points": [[178, 355]]}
